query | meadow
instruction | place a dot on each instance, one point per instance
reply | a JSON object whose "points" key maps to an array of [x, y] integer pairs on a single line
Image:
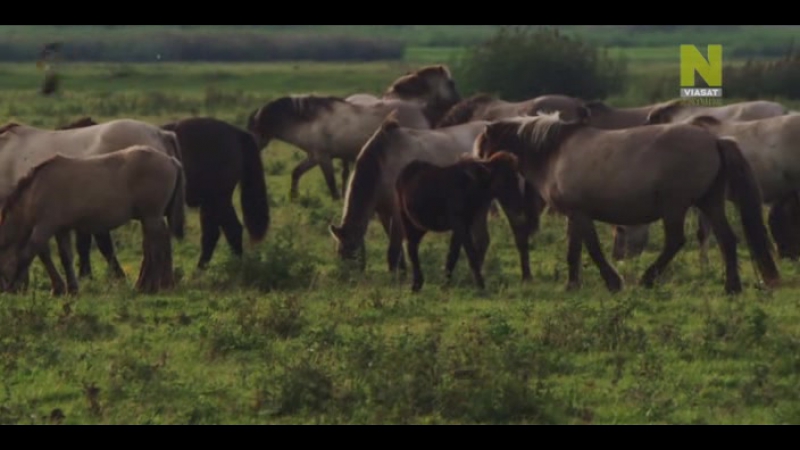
{"points": [[288, 335]]}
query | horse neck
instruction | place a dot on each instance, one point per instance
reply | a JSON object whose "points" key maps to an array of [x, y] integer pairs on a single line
{"points": [[361, 198]]}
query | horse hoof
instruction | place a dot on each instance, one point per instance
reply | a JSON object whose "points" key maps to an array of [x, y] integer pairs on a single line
{"points": [[58, 291]]}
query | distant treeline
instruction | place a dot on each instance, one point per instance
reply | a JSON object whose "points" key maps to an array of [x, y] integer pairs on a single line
{"points": [[222, 46], [136, 43]]}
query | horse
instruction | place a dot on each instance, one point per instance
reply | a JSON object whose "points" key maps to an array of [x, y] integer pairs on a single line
{"points": [[451, 198], [636, 176], [631, 241], [93, 194], [680, 109], [22, 147], [483, 106], [371, 188], [769, 146], [216, 157], [326, 127], [431, 86]]}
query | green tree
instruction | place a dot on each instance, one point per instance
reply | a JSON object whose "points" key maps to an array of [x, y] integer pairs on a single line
{"points": [[524, 62]]}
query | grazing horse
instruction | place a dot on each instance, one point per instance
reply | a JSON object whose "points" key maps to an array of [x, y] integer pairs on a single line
{"points": [[770, 146], [438, 199], [489, 107], [431, 86], [216, 157], [631, 241], [326, 128], [371, 188], [22, 147], [93, 194], [636, 176]]}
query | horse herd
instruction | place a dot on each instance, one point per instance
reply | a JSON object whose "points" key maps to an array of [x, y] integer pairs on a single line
{"points": [[424, 160]]}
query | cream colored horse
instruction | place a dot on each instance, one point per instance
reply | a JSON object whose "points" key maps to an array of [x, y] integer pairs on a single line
{"points": [[372, 186], [631, 241], [636, 176], [23, 147], [772, 147], [326, 128]]}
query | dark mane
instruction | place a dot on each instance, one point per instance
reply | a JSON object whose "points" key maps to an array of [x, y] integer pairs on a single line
{"points": [[539, 135], [8, 126], [303, 108], [367, 170], [597, 105], [462, 111], [22, 185], [80, 123]]}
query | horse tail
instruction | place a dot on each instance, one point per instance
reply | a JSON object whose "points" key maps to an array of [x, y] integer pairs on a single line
{"points": [[253, 195], [745, 193], [176, 212]]}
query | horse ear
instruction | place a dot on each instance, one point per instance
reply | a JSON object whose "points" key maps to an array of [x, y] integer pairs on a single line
{"points": [[704, 121], [584, 114], [391, 121]]}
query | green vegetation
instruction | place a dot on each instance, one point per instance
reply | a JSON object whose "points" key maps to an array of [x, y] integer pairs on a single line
{"points": [[352, 42], [288, 335]]}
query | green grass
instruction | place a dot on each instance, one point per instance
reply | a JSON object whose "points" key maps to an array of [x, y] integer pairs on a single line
{"points": [[290, 336]]}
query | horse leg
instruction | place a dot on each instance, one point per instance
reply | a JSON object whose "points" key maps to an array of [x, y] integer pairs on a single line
{"points": [[209, 230], [574, 253], [36, 245], [726, 239], [64, 243], [231, 226], [674, 240], [391, 222], [703, 235], [413, 238], [57, 286], [585, 226], [304, 166], [83, 244], [522, 225], [630, 242], [106, 247], [479, 230], [452, 256], [345, 175], [781, 215], [464, 234], [326, 164]]}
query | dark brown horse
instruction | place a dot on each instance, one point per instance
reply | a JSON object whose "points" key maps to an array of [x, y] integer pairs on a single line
{"points": [[216, 157], [450, 198]]}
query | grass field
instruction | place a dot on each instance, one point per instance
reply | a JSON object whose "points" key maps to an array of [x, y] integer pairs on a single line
{"points": [[289, 336]]}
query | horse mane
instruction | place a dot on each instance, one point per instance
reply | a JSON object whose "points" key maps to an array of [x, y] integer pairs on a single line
{"points": [[540, 132], [80, 123], [8, 126], [597, 105], [667, 107], [22, 186], [704, 121], [303, 108], [367, 168], [462, 111]]}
